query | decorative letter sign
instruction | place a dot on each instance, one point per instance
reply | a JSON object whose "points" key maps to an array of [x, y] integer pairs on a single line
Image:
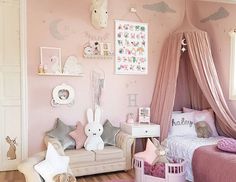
{"points": [[131, 47], [132, 99]]}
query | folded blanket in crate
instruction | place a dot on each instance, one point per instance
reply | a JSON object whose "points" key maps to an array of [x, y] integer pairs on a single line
{"points": [[157, 170]]}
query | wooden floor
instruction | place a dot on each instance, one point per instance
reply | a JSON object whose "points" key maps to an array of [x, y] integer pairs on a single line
{"points": [[15, 176], [107, 177], [12, 176]]}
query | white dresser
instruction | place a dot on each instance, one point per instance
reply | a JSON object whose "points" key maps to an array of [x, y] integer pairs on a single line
{"points": [[138, 130]]}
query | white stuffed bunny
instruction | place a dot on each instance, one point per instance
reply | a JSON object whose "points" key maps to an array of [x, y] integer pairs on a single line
{"points": [[94, 131]]}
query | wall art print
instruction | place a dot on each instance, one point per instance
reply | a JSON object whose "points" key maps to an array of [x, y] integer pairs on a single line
{"points": [[131, 47], [50, 60]]}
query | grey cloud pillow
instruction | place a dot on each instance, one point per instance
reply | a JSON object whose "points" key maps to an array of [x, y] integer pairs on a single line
{"points": [[61, 132], [109, 133]]}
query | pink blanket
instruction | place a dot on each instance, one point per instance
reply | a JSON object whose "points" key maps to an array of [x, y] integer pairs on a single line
{"points": [[157, 170], [210, 164]]}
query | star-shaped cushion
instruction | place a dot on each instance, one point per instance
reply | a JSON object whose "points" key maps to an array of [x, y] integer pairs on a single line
{"points": [[61, 132], [78, 135], [149, 154], [109, 133], [52, 165]]}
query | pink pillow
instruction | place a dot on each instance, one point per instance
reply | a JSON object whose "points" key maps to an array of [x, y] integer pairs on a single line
{"points": [[227, 144], [78, 135], [149, 155], [204, 115]]}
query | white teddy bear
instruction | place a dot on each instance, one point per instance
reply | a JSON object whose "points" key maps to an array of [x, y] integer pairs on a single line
{"points": [[94, 131]]}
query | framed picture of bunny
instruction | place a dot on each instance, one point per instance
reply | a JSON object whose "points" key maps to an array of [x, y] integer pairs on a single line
{"points": [[131, 51]]}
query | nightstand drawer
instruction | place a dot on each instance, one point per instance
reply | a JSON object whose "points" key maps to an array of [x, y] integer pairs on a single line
{"points": [[137, 130], [145, 132]]}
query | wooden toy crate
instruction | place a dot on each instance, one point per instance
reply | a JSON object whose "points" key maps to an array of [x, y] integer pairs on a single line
{"points": [[174, 172]]}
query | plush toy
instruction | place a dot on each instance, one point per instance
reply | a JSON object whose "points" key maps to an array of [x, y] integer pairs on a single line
{"points": [[203, 129], [99, 13], [64, 177], [94, 131], [161, 151]]}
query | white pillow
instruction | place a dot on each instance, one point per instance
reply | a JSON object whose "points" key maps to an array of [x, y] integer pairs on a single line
{"points": [[204, 115], [182, 125], [52, 165], [177, 112]]}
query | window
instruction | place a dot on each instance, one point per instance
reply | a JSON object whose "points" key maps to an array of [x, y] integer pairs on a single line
{"points": [[232, 83]]}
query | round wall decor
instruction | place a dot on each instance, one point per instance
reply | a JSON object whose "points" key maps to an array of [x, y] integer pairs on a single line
{"points": [[63, 95]]}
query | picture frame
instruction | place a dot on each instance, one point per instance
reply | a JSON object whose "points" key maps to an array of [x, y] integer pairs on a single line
{"points": [[144, 115], [131, 48], [50, 60], [63, 95]]}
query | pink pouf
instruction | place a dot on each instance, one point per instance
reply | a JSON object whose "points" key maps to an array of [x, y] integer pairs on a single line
{"points": [[227, 144]]}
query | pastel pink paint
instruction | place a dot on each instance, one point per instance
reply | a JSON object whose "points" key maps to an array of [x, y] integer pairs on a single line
{"points": [[75, 29]]}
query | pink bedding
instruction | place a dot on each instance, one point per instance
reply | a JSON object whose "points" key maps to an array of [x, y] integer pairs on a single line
{"points": [[210, 164]]}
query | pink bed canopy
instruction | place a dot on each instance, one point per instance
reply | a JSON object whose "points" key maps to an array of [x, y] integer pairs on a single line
{"points": [[189, 79]]}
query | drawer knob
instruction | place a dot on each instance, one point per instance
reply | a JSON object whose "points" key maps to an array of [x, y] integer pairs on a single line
{"points": [[146, 131]]}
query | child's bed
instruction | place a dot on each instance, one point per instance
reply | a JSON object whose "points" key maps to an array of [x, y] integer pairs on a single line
{"points": [[184, 147]]}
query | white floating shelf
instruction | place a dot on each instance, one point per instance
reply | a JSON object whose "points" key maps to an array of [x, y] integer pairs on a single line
{"points": [[61, 74], [98, 57], [221, 1]]}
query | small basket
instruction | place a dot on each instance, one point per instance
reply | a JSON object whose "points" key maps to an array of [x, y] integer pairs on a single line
{"points": [[174, 172]]}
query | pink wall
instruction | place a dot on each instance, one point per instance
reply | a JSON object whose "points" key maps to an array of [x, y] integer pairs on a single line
{"points": [[76, 23], [220, 40]]}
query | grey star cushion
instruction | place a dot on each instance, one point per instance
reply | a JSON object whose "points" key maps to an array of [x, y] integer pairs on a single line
{"points": [[109, 133], [61, 132]]}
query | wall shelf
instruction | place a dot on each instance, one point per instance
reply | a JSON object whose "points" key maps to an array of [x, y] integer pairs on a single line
{"points": [[222, 1], [61, 74], [98, 56]]}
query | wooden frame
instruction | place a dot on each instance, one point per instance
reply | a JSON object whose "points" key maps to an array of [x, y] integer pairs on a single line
{"points": [[131, 48], [50, 59], [144, 115]]}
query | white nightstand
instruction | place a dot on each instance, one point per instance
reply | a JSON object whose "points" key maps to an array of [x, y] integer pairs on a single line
{"points": [[137, 130]]}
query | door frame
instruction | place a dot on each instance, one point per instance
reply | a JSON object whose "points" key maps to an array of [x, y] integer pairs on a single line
{"points": [[24, 78]]}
